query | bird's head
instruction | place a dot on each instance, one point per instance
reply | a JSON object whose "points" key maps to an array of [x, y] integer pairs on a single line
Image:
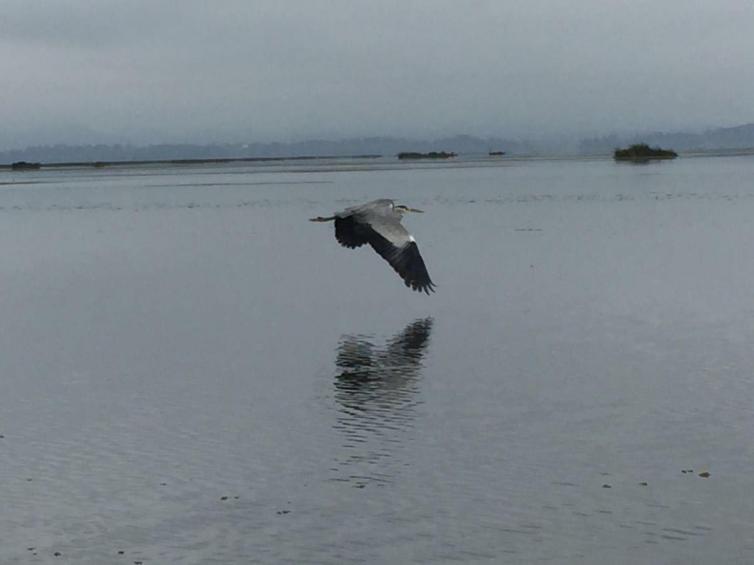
{"points": [[401, 209]]}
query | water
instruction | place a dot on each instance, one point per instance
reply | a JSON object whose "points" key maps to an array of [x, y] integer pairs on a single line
{"points": [[193, 373]]}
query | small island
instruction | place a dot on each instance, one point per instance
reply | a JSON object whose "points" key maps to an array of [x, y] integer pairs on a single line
{"points": [[430, 155], [25, 166], [642, 152], [496, 153]]}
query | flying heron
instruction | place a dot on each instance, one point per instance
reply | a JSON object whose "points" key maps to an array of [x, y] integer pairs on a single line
{"points": [[378, 223]]}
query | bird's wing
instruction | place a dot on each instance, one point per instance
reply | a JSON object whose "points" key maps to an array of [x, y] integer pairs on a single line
{"points": [[394, 244], [349, 232], [352, 224], [380, 206]]}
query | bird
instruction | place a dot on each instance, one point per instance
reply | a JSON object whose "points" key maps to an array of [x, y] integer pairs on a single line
{"points": [[378, 223]]}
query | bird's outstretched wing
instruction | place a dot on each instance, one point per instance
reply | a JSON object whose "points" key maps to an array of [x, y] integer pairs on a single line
{"points": [[352, 224], [350, 233], [406, 261], [394, 244]]}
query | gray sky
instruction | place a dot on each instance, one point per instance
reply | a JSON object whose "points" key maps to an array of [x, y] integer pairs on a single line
{"points": [[189, 70]]}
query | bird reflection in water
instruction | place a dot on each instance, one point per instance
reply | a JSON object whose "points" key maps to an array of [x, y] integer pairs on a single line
{"points": [[376, 388]]}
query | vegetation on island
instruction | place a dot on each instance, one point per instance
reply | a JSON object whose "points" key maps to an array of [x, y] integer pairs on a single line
{"points": [[430, 155], [643, 152], [25, 166]]}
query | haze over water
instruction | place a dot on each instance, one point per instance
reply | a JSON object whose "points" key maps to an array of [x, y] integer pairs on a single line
{"points": [[194, 373]]}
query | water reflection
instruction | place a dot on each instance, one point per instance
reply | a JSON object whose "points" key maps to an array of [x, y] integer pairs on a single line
{"points": [[376, 389]]}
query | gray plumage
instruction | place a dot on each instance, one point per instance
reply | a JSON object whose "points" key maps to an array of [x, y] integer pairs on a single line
{"points": [[378, 223]]}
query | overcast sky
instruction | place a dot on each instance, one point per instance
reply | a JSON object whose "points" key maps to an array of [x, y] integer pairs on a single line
{"points": [[257, 70]]}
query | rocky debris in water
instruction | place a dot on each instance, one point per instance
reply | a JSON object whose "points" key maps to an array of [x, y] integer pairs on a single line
{"points": [[223, 498], [281, 512], [704, 475], [607, 486], [57, 554], [685, 471], [643, 483], [121, 552]]}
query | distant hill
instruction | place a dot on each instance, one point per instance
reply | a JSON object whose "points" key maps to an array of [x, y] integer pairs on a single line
{"points": [[739, 137]]}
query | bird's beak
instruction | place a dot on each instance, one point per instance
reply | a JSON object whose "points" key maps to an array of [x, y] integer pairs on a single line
{"points": [[416, 210]]}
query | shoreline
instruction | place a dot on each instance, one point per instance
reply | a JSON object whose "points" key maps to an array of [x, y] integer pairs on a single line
{"points": [[461, 160], [209, 161]]}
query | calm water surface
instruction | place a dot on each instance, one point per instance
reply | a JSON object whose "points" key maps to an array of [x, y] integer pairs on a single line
{"points": [[193, 373]]}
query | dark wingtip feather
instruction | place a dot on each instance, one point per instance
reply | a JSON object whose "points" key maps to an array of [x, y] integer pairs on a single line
{"points": [[420, 286], [409, 264]]}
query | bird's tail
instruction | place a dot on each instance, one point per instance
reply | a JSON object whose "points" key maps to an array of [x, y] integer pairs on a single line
{"points": [[321, 219]]}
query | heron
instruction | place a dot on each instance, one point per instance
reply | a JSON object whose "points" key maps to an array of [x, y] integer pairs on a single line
{"points": [[378, 223]]}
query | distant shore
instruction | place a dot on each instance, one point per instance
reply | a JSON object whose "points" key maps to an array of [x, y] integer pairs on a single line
{"points": [[104, 164], [461, 159]]}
